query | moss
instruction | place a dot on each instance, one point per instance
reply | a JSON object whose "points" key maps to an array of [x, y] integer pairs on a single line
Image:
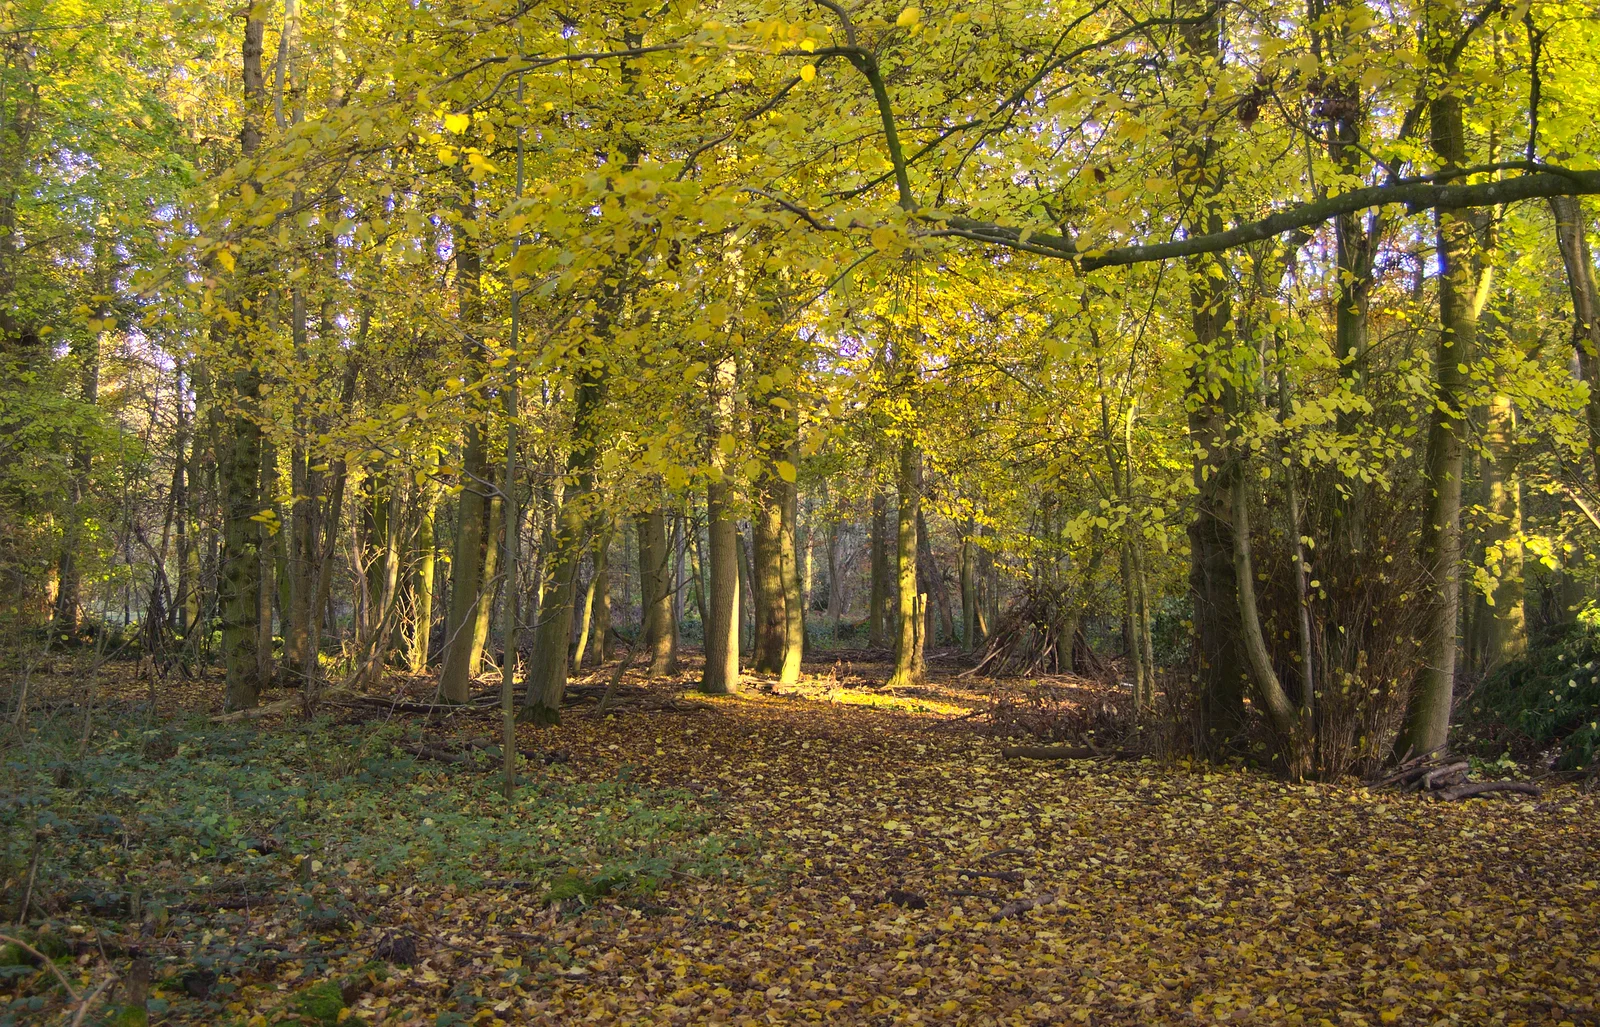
{"points": [[319, 1003], [130, 1016]]}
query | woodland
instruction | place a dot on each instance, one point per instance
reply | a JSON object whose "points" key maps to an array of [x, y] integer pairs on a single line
{"points": [[825, 511]]}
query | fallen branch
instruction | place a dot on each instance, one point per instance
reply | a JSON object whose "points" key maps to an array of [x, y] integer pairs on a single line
{"points": [[46, 961], [1468, 790], [1065, 752], [1011, 909], [1014, 876], [271, 708]]}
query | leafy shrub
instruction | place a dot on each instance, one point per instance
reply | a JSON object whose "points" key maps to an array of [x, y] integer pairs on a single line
{"points": [[1547, 702]]}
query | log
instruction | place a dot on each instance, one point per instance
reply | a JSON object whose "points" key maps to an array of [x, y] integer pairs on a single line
{"points": [[1467, 791], [1013, 876], [1022, 906]]}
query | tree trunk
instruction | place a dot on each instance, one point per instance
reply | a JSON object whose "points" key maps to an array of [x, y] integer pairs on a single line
{"points": [[794, 622], [723, 563], [656, 593], [69, 579], [1505, 634], [468, 573], [425, 549], [878, 603], [1427, 725], [590, 632], [908, 658], [969, 588], [747, 589], [1573, 240], [771, 619], [547, 670], [933, 579]]}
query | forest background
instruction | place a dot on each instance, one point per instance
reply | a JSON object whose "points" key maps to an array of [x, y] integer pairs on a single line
{"points": [[1244, 357]]}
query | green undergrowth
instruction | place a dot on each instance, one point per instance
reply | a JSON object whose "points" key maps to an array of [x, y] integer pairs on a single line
{"points": [[1544, 705], [146, 821]]}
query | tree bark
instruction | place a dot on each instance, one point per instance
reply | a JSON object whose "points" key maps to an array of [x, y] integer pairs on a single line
{"points": [[908, 657], [656, 593], [1573, 241], [771, 618], [878, 603], [723, 563], [425, 549], [794, 622], [1427, 726]]}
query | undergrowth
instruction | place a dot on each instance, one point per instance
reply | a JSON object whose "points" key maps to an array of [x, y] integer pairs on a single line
{"points": [[153, 818], [1544, 706]]}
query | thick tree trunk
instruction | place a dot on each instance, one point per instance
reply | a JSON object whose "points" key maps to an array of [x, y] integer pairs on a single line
{"points": [[240, 584], [771, 619], [908, 656], [1427, 725], [1220, 672]]}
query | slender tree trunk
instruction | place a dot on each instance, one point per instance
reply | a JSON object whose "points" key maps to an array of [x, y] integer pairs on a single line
{"points": [[470, 578], [697, 573], [723, 563], [878, 603], [794, 623], [1573, 240], [908, 658], [468, 573], [747, 619], [934, 579], [589, 637], [547, 671], [655, 580], [1505, 633], [69, 583], [969, 588], [1280, 711], [425, 549]]}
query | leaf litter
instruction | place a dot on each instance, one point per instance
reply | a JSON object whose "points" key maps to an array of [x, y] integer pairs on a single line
{"points": [[771, 858]]}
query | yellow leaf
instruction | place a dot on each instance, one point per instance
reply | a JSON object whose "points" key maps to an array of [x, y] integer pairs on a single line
{"points": [[786, 471], [808, 73], [882, 238], [447, 156], [909, 17], [225, 258], [457, 123]]}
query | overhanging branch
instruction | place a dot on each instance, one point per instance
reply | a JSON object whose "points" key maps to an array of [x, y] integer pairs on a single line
{"points": [[1545, 182]]}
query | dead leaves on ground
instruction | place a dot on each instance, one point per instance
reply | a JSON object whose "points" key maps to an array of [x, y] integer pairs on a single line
{"points": [[911, 875]]}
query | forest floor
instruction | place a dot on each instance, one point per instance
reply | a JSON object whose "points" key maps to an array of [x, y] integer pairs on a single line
{"points": [[837, 855]]}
